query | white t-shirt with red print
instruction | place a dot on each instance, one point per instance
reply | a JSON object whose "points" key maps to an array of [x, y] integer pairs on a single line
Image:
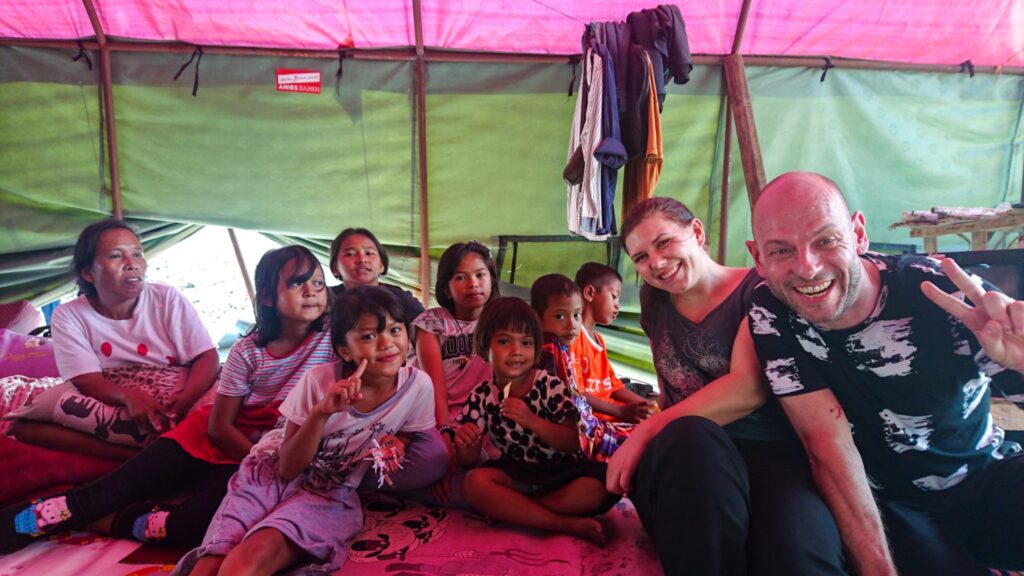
{"points": [[164, 330]]}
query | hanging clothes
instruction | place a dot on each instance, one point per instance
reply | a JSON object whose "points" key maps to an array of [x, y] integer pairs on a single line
{"points": [[583, 204], [662, 32], [609, 152], [655, 156], [617, 120]]}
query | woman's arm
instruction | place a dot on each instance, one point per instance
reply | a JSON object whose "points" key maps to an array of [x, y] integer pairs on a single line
{"points": [[141, 407], [428, 353], [723, 400], [201, 374], [222, 430]]}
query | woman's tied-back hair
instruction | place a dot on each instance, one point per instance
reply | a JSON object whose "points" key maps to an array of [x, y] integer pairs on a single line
{"points": [[85, 250], [268, 271], [549, 285], [450, 262], [669, 207], [507, 313], [340, 239], [364, 300]]}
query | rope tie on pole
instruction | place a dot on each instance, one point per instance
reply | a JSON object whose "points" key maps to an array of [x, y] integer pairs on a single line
{"points": [[340, 73], [967, 66], [83, 54], [828, 66], [573, 60], [195, 82]]}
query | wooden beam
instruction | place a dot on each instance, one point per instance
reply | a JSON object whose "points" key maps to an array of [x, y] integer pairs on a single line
{"points": [[107, 91], [421, 148], [746, 131]]}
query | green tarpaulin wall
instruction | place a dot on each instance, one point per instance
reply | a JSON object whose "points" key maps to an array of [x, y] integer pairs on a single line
{"points": [[302, 166]]}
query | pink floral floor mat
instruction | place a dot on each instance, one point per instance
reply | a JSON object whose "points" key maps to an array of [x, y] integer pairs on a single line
{"points": [[399, 538]]}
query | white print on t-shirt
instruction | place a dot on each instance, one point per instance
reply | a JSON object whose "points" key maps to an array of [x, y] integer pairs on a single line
{"points": [[933, 270], [961, 341], [993, 436], [884, 347], [940, 483], [904, 432], [763, 321], [812, 343], [974, 391], [782, 376], [986, 365]]}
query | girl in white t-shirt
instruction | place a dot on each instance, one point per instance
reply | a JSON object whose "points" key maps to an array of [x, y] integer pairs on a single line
{"points": [[297, 504], [466, 280]]}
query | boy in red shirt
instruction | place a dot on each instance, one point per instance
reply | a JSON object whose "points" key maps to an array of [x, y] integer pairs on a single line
{"points": [[601, 287]]}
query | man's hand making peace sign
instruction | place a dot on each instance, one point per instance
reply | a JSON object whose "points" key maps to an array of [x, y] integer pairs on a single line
{"points": [[996, 320]]}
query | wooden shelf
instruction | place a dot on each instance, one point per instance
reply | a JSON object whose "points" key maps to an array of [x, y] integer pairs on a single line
{"points": [[980, 230]]}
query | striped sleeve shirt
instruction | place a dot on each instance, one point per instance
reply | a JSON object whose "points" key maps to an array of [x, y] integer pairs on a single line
{"points": [[262, 378]]}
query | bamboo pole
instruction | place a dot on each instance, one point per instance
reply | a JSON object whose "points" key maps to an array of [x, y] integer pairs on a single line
{"points": [[723, 218], [746, 130], [108, 109], [421, 132], [741, 28], [441, 55], [241, 266], [738, 96]]}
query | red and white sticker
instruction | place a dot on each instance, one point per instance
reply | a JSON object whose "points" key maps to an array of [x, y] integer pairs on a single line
{"points": [[305, 81]]}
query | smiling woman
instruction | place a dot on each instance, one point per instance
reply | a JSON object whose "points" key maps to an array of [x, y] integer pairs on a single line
{"points": [[120, 320], [719, 481]]}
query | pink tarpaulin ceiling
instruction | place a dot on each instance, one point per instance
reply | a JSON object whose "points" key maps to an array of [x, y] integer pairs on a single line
{"points": [[988, 32]]}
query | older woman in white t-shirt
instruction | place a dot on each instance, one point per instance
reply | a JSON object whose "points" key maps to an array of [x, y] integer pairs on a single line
{"points": [[117, 320]]}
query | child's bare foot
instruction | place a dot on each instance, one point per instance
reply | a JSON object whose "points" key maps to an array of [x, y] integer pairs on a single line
{"points": [[586, 527]]}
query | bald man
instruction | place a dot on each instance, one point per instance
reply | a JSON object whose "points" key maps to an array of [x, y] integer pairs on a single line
{"points": [[886, 374]]}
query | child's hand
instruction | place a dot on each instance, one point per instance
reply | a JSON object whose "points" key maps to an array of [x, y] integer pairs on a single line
{"points": [[343, 393], [468, 441], [393, 447], [516, 410], [634, 412]]}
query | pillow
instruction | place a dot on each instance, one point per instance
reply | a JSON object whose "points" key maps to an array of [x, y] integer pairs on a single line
{"points": [[17, 391], [64, 404], [24, 355]]}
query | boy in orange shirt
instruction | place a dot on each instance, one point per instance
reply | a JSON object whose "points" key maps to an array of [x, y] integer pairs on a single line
{"points": [[601, 287]]}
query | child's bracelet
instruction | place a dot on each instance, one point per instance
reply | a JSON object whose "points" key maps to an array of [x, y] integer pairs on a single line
{"points": [[447, 430]]}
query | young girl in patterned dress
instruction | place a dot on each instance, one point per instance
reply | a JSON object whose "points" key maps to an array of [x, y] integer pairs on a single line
{"points": [[541, 479]]}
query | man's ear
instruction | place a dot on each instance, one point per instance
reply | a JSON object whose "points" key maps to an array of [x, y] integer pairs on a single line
{"points": [[756, 255], [860, 232], [87, 276], [589, 292]]}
